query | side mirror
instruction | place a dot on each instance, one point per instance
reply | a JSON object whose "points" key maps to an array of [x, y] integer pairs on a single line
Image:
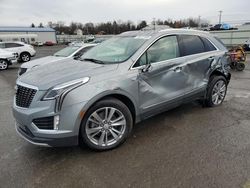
{"points": [[146, 68], [77, 57]]}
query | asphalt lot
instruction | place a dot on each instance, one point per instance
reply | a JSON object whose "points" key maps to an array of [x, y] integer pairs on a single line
{"points": [[189, 146]]}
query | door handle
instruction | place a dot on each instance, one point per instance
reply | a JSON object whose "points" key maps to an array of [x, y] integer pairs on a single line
{"points": [[211, 58], [177, 69]]}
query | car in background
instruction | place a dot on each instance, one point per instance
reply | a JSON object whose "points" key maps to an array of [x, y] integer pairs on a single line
{"points": [[24, 51], [246, 45], [38, 44], [75, 52], [223, 26], [49, 43], [76, 43], [98, 40], [7, 58]]}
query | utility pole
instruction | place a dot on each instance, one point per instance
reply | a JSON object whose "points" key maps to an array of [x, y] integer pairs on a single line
{"points": [[220, 16], [154, 23], [199, 22]]}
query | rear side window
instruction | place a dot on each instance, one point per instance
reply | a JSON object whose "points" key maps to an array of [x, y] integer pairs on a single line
{"points": [[12, 45], [190, 44], [208, 45]]}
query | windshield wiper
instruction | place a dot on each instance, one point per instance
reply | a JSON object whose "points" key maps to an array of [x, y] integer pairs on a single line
{"points": [[93, 60]]}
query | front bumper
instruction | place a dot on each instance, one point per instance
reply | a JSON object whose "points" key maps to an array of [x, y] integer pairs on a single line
{"points": [[27, 135], [68, 127]]}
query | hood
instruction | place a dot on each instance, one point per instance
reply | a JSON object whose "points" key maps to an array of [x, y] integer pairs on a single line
{"points": [[5, 54], [45, 77], [41, 61]]}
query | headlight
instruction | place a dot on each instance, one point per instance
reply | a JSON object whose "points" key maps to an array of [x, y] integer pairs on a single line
{"points": [[58, 90]]}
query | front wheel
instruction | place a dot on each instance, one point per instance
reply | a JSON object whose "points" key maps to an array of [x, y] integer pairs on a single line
{"points": [[216, 91], [106, 125], [25, 57], [3, 64]]}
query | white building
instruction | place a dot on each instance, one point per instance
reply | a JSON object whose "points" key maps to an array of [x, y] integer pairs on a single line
{"points": [[27, 34]]}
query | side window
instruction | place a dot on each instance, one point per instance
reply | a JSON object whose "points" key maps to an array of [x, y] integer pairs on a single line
{"points": [[164, 49], [208, 45], [190, 44], [12, 45], [142, 60]]}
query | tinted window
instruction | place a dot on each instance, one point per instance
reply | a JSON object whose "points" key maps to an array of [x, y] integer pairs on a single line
{"points": [[12, 45], [164, 49], [190, 44], [208, 45]]}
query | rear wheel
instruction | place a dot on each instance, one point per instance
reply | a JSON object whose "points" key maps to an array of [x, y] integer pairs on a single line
{"points": [[106, 125], [25, 56], [216, 91], [3, 64]]}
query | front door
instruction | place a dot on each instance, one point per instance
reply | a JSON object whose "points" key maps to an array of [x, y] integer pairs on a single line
{"points": [[164, 83]]}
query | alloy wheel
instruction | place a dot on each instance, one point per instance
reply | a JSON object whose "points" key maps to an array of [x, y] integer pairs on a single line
{"points": [[218, 92], [25, 57], [3, 65], [105, 126]]}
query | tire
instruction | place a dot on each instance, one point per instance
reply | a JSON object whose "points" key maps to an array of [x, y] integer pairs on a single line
{"points": [[4, 65], [96, 129], [25, 57], [240, 66], [216, 91]]}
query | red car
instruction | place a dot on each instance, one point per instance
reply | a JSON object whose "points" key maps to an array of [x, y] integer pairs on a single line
{"points": [[49, 43]]}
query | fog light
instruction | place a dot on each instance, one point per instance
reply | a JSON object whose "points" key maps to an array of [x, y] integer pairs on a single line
{"points": [[56, 122]]}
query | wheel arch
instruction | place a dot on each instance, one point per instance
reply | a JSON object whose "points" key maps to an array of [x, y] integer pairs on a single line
{"points": [[218, 72], [25, 52], [122, 96]]}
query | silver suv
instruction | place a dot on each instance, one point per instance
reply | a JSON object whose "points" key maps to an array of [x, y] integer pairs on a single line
{"points": [[97, 99]]}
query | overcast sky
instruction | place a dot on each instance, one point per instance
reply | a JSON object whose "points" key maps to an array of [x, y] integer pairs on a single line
{"points": [[25, 12]]}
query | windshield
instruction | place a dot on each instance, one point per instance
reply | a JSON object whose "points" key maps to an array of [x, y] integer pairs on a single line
{"points": [[65, 52], [114, 50]]}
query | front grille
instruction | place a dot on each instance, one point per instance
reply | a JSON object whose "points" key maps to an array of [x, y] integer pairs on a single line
{"points": [[45, 122], [24, 96], [22, 71]]}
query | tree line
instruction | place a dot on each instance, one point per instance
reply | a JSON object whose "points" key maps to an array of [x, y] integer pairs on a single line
{"points": [[117, 27]]}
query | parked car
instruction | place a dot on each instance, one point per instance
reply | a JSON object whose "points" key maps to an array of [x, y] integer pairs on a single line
{"points": [[6, 59], [223, 26], [76, 43], [66, 53], [246, 45], [38, 43], [118, 83], [49, 43], [24, 51]]}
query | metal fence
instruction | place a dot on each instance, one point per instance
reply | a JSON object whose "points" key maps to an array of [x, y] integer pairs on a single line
{"points": [[233, 37], [72, 38]]}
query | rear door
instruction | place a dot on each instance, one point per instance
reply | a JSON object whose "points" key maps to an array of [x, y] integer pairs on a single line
{"points": [[199, 53]]}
